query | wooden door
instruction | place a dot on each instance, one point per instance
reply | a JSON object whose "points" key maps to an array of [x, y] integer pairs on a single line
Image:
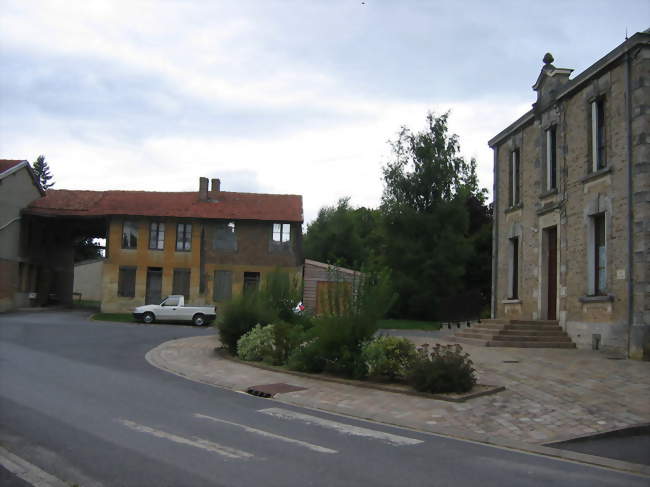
{"points": [[154, 285], [551, 279]]}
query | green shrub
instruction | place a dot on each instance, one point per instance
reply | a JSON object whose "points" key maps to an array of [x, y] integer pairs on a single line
{"points": [[445, 369], [281, 292], [257, 344], [239, 316], [286, 338], [388, 356]]}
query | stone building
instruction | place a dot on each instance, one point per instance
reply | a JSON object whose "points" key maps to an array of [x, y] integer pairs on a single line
{"points": [[207, 245], [572, 203], [18, 188]]}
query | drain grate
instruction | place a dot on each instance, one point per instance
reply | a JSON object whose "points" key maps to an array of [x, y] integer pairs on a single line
{"points": [[270, 390], [511, 361]]}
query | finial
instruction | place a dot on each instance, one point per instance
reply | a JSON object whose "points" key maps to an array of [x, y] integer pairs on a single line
{"points": [[548, 58]]}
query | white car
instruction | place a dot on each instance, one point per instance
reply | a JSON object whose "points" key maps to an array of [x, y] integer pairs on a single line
{"points": [[173, 309]]}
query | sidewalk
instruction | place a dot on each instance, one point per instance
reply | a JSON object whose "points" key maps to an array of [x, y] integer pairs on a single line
{"points": [[551, 394]]}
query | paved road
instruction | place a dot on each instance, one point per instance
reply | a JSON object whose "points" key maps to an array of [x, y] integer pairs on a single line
{"points": [[78, 399]]}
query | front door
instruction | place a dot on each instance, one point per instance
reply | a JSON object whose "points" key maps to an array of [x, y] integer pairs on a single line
{"points": [[154, 285], [551, 274]]}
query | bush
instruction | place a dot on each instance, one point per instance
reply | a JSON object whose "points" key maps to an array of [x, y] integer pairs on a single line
{"points": [[388, 356], [445, 369], [257, 344], [239, 316]]}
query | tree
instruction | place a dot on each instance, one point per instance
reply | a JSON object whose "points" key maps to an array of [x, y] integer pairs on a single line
{"points": [[343, 235], [429, 190], [42, 171]]}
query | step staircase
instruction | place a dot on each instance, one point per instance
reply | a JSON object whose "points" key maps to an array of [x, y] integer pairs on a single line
{"points": [[515, 333]]}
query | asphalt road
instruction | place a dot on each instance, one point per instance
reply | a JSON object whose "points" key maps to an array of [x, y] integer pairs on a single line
{"points": [[78, 399]]}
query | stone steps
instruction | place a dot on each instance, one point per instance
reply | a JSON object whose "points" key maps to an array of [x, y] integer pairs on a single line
{"points": [[516, 333]]}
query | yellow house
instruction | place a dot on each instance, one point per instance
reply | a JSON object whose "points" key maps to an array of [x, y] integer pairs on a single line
{"points": [[208, 245]]}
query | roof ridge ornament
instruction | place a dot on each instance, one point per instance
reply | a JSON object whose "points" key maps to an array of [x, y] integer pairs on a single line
{"points": [[548, 58]]}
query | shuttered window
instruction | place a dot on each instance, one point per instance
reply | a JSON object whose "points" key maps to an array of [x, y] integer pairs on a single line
{"points": [[222, 285]]}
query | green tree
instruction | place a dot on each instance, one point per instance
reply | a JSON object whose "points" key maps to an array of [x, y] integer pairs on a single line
{"points": [[344, 235], [42, 171], [426, 213]]}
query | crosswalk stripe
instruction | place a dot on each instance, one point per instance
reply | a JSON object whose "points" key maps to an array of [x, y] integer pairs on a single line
{"points": [[196, 442], [267, 434], [343, 428]]}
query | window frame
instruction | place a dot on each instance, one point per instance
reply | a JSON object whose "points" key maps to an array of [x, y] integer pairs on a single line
{"points": [[599, 253], [598, 135], [513, 291], [120, 281], [186, 240], [157, 243], [232, 242], [126, 243], [284, 230], [514, 192], [551, 158]]}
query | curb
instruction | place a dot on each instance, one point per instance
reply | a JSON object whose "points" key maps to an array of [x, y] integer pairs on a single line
{"points": [[28, 472], [155, 359], [364, 384]]}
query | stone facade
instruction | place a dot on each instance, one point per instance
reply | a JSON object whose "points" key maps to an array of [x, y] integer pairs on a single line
{"points": [[578, 164]]}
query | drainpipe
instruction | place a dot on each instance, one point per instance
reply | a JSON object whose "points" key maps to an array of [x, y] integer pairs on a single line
{"points": [[630, 195], [495, 231]]}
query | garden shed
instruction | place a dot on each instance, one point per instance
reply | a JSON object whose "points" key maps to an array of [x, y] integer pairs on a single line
{"points": [[320, 278]]}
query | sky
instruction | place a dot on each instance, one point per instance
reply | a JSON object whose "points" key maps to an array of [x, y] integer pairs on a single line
{"points": [[291, 97]]}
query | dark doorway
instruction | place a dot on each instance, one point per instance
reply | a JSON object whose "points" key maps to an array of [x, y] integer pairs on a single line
{"points": [[251, 282], [551, 275], [154, 285]]}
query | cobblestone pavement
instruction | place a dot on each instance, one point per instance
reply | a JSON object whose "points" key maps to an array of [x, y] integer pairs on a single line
{"points": [[551, 394]]}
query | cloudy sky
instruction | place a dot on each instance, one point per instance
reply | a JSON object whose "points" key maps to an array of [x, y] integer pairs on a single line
{"points": [[275, 96]]}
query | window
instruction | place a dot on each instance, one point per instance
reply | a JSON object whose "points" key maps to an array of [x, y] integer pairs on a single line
{"points": [[514, 268], [251, 282], [126, 282], [171, 301], [551, 159], [514, 178], [598, 134], [222, 285], [157, 236], [225, 237], [600, 254], [181, 283], [184, 237], [129, 235], [281, 232]]}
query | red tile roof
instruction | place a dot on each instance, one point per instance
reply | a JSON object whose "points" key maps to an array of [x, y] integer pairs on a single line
{"points": [[232, 206], [6, 164]]}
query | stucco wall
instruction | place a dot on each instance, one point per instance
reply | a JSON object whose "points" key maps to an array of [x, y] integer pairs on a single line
{"points": [[252, 256], [88, 280]]}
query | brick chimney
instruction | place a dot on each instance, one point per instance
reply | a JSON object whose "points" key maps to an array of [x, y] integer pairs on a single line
{"points": [[216, 189], [203, 189]]}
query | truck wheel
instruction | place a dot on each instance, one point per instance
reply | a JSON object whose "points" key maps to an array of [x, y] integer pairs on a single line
{"points": [[198, 319], [148, 317]]}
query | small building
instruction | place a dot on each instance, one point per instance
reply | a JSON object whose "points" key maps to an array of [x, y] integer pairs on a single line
{"points": [[572, 203], [18, 188], [319, 281], [207, 245]]}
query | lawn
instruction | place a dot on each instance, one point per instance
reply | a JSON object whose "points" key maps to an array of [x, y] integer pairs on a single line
{"points": [[409, 325], [120, 317]]}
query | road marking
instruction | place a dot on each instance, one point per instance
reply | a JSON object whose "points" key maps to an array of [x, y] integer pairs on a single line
{"points": [[195, 442], [267, 434], [29, 472], [343, 428]]}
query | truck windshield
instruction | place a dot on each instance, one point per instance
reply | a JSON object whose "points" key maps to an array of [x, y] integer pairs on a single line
{"points": [[171, 301]]}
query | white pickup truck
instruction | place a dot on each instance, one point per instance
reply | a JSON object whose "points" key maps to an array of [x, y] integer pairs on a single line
{"points": [[173, 309]]}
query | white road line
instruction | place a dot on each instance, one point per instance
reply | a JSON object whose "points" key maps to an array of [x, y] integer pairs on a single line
{"points": [[249, 429], [195, 442], [343, 428], [29, 472]]}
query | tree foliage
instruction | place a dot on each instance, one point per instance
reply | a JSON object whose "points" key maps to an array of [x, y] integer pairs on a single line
{"points": [[42, 172], [432, 230]]}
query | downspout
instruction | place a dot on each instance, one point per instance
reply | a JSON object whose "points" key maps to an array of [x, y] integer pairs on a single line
{"points": [[630, 195], [495, 231]]}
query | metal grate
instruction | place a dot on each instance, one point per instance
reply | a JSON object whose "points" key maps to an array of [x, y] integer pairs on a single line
{"points": [[271, 390]]}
